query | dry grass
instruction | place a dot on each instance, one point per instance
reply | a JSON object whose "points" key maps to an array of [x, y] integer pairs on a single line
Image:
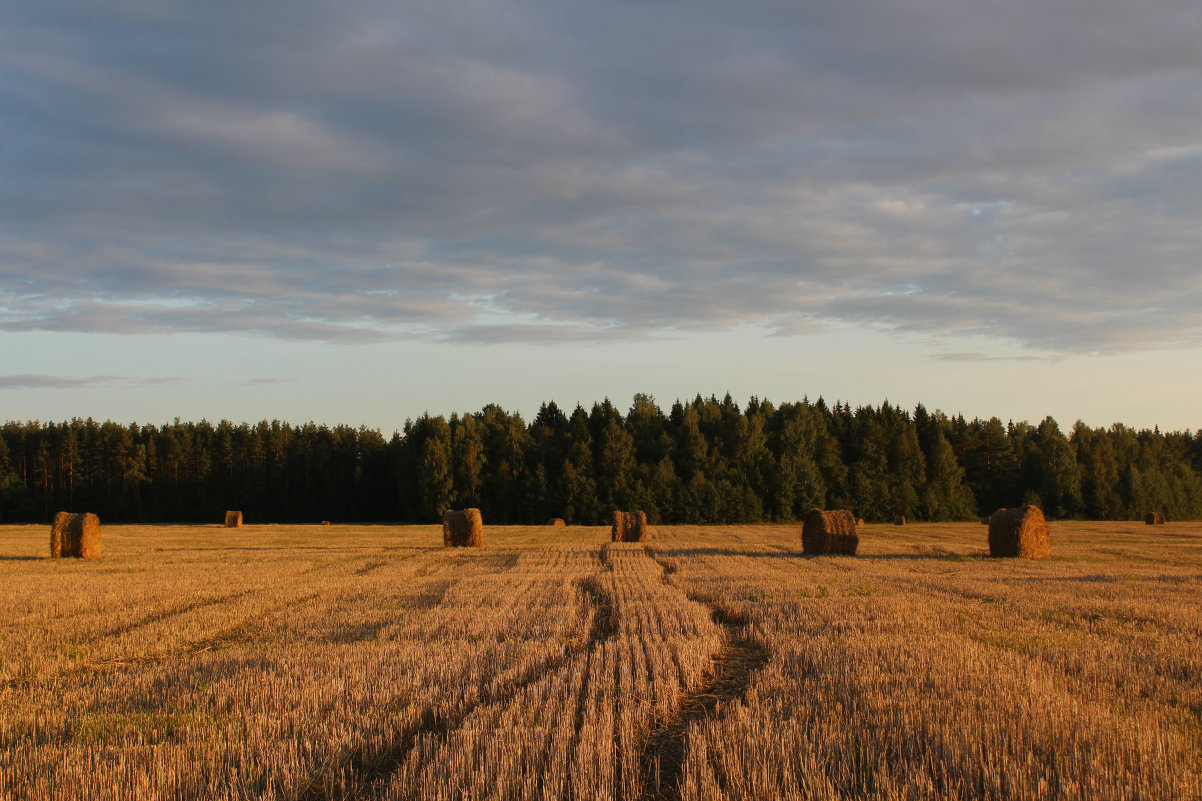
{"points": [[369, 662]]}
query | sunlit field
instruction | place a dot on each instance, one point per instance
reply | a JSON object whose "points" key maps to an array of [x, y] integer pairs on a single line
{"points": [[368, 662]]}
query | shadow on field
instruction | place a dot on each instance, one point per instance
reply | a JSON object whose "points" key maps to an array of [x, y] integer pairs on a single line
{"points": [[22, 558], [1101, 579], [292, 548], [910, 557], [668, 552], [798, 555]]}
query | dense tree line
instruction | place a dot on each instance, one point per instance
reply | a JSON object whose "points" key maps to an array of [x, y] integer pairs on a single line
{"points": [[704, 461]]}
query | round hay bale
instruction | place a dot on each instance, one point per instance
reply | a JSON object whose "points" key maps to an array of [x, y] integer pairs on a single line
{"points": [[900, 520], [1019, 532], [826, 532], [463, 529], [1150, 518], [628, 527], [325, 522], [859, 522], [58, 530], [233, 520], [984, 521], [75, 535], [556, 521]]}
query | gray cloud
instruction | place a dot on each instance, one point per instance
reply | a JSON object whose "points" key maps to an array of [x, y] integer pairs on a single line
{"points": [[357, 172], [40, 381], [971, 356]]}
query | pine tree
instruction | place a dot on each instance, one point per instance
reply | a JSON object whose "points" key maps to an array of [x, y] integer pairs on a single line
{"points": [[1053, 465], [1099, 470], [467, 449], [615, 464], [945, 495], [435, 482]]}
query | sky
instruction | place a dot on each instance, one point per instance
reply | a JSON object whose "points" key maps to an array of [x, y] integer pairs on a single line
{"points": [[357, 212]]}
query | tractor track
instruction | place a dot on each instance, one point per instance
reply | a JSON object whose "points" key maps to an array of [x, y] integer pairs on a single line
{"points": [[361, 771], [734, 666]]}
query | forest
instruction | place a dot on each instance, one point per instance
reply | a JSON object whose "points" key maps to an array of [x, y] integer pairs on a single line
{"points": [[702, 461]]}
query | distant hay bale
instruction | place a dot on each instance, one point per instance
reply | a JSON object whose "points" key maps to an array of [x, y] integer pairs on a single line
{"points": [[233, 520], [556, 521], [1154, 518], [628, 527], [325, 522], [900, 520], [75, 535], [1019, 532], [859, 522], [463, 529], [829, 532]]}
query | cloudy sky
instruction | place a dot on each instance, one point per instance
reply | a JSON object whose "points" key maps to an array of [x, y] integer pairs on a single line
{"points": [[358, 211]]}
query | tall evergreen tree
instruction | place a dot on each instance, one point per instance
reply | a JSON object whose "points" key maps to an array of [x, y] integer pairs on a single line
{"points": [[467, 449], [1055, 470], [435, 480]]}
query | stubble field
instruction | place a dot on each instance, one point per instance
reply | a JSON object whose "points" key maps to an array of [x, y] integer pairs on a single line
{"points": [[315, 662]]}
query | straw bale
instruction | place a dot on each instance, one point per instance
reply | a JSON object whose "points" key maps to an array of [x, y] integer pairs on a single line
{"points": [[984, 521], [628, 527], [1154, 518], [556, 521], [463, 529], [1021, 532], [233, 520], [900, 520], [325, 522], [75, 535], [826, 532], [859, 522], [57, 529]]}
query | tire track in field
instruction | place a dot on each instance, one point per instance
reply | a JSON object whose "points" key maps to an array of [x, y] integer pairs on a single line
{"points": [[365, 769], [735, 664]]}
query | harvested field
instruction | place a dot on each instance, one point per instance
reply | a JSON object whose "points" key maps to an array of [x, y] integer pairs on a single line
{"points": [[368, 662]]}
